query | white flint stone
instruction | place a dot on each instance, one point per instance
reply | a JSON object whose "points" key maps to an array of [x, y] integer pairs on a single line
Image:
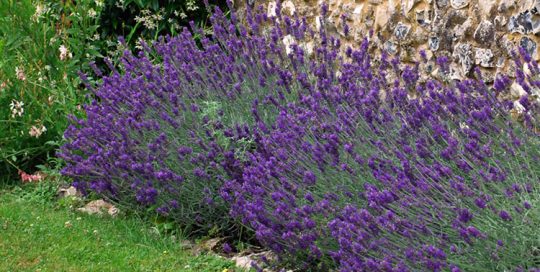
{"points": [[484, 33], [401, 30], [318, 24], [308, 48], [518, 107], [272, 9], [483, 57], [288, 41], [358, 9], [500, 20], [289, 7], [463, 54], [408, 5], [516, 90], [459, 4], [486, 6]]}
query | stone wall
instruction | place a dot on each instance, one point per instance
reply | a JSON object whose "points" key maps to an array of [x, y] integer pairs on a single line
{"points": [[471, 33]]}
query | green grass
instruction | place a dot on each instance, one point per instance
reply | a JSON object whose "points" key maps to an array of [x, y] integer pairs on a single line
{"points": [[37, 236]]}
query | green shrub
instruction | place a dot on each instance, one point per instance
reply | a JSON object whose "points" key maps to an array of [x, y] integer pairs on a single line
{"points": [[138, 20], [42, 47], [43, 44]]}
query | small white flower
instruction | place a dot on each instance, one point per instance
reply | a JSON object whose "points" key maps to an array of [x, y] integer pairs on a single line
{"points": [[40, 11], [64, 52], [16, 108], [92, 13], [36, 131], [99, 3], [191, 5], [20, 73]]}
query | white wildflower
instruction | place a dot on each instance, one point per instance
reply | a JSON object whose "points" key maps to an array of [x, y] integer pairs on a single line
{"points": [[120, 4], [16, 108], [41, 77], [149, 20], [99, 3], [92, 13], [36, 131], [138, 44], [52, 41], [191, 5], [40, 11], [180, 14], [20, 73], [64, 53]]}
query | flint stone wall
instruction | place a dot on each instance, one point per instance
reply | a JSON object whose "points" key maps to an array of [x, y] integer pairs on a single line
{"points": [[470, 33]]}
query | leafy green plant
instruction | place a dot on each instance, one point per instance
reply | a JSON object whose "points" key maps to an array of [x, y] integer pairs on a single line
{"points": [[138, 20], [43, 44]]}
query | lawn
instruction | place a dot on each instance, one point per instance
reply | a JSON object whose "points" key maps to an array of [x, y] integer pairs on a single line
{"points": [[38, 236]]}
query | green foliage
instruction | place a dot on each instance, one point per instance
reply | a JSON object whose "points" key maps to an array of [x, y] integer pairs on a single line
{"points": [[42, 192], [39, 85], [138, 20], [43, 45]]}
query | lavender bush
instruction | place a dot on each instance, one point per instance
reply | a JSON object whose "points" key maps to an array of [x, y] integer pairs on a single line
{"points": [[335, 159], [166, 131], [442, 181]]}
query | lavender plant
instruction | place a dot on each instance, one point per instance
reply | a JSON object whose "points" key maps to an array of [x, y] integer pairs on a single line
{"points": [[166, 131], [335, 159], [417, 176]]}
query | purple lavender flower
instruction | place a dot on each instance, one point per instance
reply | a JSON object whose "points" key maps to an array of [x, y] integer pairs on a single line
{"points": [[504, 215], [348, 171]]}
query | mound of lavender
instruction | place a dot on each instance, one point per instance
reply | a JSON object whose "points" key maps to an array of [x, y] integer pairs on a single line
{"points": [[334, 158], [419, 176], [173, 124]]}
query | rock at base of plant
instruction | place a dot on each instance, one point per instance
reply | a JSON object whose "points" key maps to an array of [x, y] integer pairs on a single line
{"points": [[68, 192], [98, 207], [253, 260]]}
